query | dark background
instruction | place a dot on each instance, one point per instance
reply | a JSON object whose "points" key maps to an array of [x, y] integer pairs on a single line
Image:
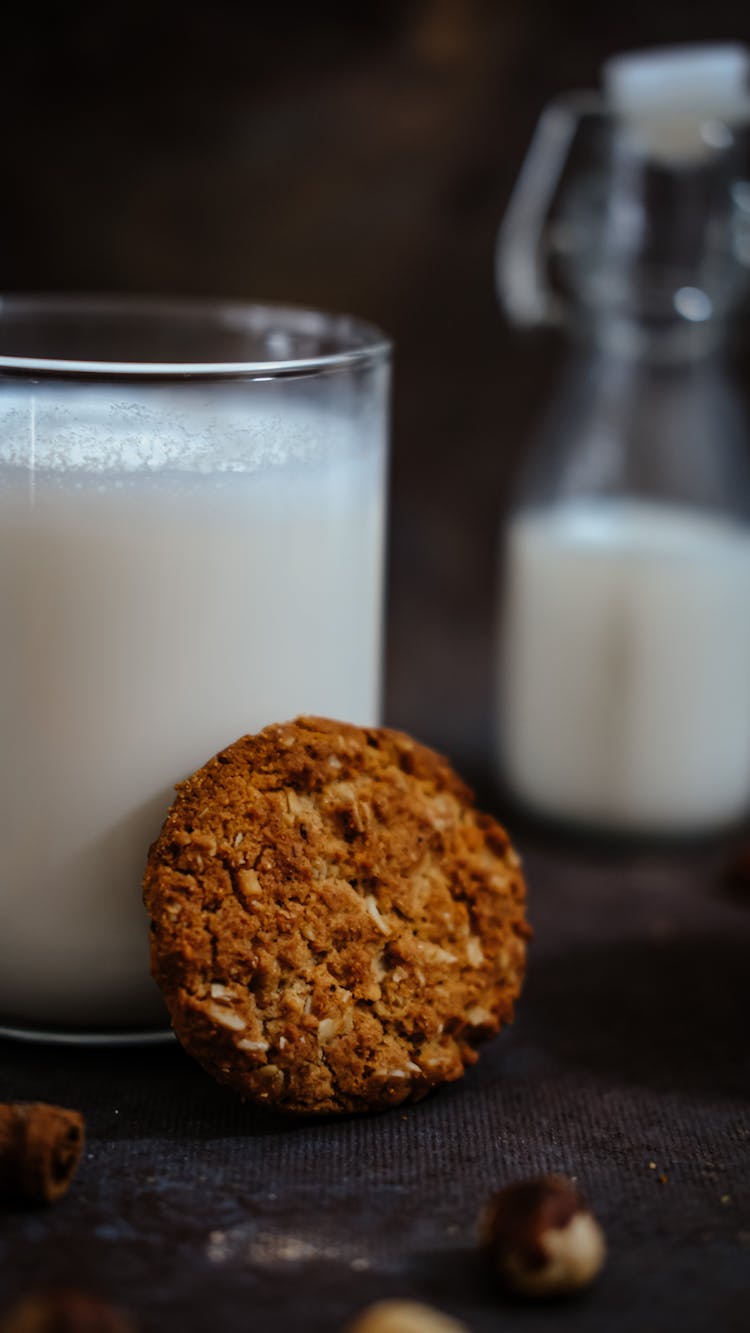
{"points": [[350, 156], [360, 157]]}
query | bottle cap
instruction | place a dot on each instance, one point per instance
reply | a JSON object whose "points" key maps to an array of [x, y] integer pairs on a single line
{"points": [[675, 95]]}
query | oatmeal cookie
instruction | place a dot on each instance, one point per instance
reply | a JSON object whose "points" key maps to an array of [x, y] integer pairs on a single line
{"points": [[334, 925]]}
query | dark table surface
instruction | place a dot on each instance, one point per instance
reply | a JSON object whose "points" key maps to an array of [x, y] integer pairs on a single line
{"points": [[626, 1068]]}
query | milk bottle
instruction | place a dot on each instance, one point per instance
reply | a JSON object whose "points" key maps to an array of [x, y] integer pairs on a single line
{"points": [[623, 662]]}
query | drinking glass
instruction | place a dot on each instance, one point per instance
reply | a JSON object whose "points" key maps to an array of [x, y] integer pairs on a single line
{"points": [[191, 547]]}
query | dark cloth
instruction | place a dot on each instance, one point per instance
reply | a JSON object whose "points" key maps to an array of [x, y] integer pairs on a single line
{"points": [[626, 1069]]}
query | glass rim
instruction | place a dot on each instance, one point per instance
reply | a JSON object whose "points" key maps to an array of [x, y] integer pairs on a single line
{"points": [[362, 343]]}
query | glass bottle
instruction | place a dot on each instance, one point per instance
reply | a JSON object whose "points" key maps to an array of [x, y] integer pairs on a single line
{"points": [[623, 665]]}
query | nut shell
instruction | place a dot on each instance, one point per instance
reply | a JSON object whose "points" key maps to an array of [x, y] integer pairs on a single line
{"points": [[541, 1237], [404, 1317], [40, 1149], [65, 1311]]}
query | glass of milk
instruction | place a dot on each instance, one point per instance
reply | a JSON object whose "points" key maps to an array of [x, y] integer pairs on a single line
{"points": [[191, 547], [623, 663]]}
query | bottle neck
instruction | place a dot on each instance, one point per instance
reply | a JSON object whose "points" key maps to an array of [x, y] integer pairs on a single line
{"points": [[669, 343]]}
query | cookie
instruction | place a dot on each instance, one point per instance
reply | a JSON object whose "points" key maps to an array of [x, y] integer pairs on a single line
{"points": [[335, 927]]}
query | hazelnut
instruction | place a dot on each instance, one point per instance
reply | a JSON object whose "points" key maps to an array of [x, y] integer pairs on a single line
{"points": [[541, 1237], [65, 1312], [404, 1317]]}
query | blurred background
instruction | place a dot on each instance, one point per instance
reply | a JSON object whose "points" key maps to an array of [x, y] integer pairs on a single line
{"points": [[352, 157]]}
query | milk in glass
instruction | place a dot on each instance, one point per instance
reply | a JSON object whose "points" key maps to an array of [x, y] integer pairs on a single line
{"points": [[169, 580]]}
